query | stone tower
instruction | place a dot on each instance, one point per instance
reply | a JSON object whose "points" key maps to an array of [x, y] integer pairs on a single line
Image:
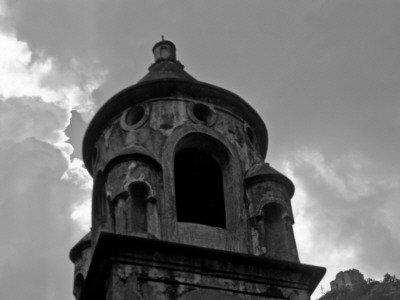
{"points": [[184, 206]]}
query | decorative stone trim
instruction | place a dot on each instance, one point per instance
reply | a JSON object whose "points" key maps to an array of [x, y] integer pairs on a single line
{"points": [[250, 135], [225, 154], [134, 117], [95, 156], [201, 113]]}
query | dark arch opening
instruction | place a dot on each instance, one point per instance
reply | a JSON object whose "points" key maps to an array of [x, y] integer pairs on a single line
{"points": [[139, 192], [199, 188]]}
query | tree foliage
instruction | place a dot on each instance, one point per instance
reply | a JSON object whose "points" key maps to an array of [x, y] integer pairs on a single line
{"points": [[369, 289]]}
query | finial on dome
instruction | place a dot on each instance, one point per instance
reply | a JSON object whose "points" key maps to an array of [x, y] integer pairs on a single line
{"points": [[164, 50]]}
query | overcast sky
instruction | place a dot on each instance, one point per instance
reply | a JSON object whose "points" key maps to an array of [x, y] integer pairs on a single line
{"points": [[323, 75]]}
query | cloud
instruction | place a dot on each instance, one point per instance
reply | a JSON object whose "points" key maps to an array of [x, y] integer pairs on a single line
{"points": [[41, 185], [37, 96], [36, 232], [96, 40], [75, 131], [21, 76], [346, 215], [81, 209], [351, 175], [33, 74], [21, 118]]}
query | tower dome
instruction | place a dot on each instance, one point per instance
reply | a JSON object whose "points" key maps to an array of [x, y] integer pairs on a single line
{"points": [[167, 79]]}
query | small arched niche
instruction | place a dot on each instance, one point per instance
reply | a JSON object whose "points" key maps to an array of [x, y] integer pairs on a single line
{"points": [[199, 164], [134, 189], [79, 281], [139, 192], [276, 235]]}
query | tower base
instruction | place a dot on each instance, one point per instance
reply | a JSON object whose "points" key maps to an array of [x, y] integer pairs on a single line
{"points": [[127, 267]]}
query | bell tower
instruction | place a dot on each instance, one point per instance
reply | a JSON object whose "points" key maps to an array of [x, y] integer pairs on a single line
{"points": [[184, 206]]}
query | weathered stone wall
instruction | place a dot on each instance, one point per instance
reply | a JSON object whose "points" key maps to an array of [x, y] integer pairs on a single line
{"points": [[139, 145], [154, 130], [160, 118], [155, 281]]}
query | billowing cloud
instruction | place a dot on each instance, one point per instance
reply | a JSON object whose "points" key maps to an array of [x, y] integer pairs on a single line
{"points": [[32, 74], [41, 186], [81, 208], [32, 117], [36, 230], [347, 214]]}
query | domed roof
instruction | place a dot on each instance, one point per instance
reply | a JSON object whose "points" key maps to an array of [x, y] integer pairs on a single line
{"points": [[263, 171], [167, 79], [166, 65], [167, 69]]}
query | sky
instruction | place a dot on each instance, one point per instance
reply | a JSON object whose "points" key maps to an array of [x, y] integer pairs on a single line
{"points": [[323, 74]]}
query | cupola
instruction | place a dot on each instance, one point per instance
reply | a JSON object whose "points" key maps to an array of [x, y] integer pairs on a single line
{"points": [[165, 64], [164, 50]]}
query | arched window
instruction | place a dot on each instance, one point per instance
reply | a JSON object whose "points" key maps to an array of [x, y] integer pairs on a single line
{"points": [[139, 192], [199, 188]]}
